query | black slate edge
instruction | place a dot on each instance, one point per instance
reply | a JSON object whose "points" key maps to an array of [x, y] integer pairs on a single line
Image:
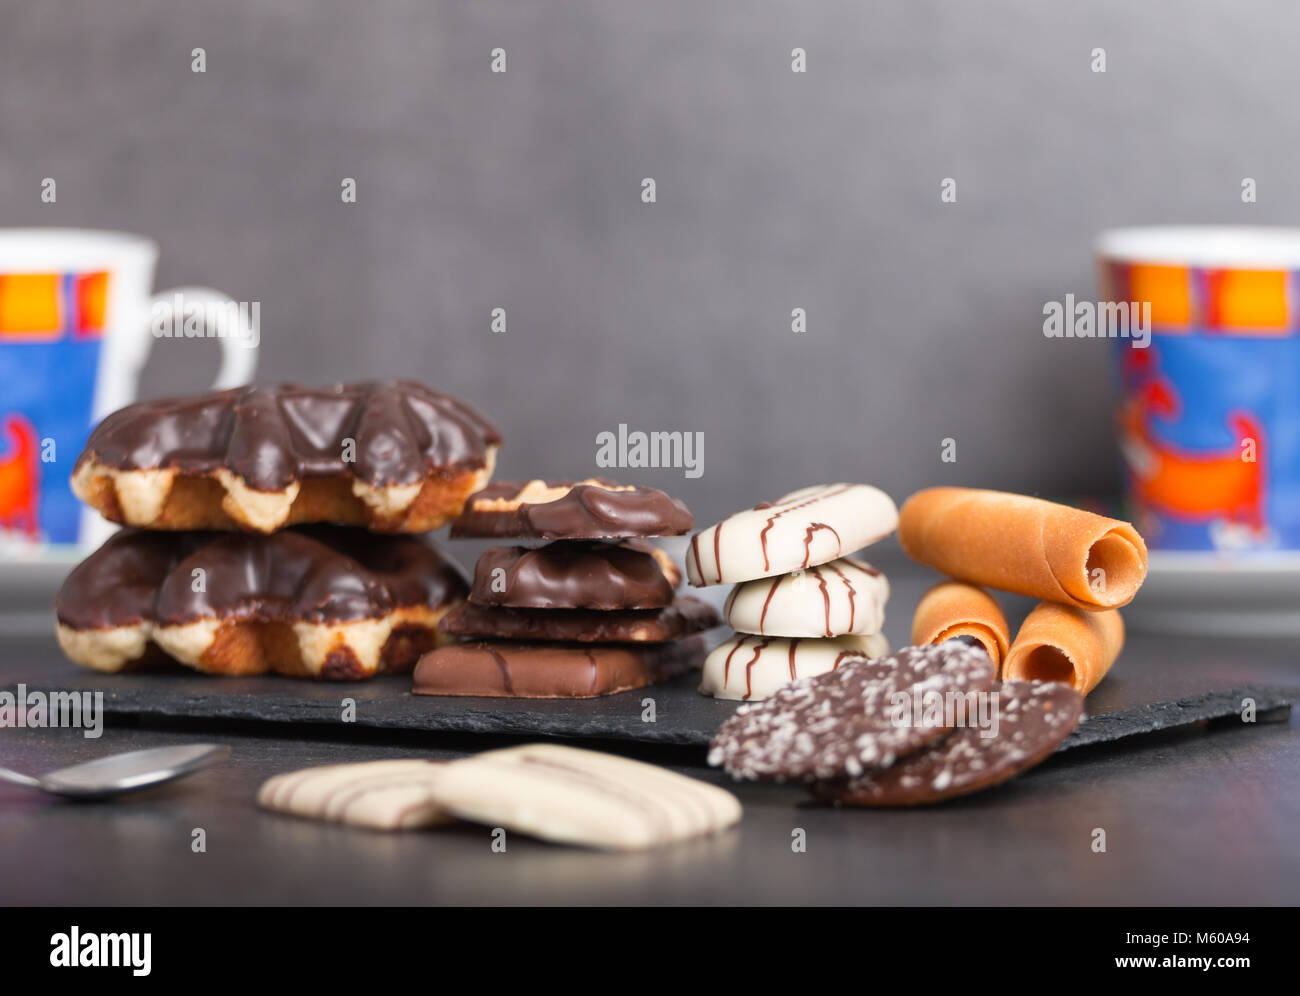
{"points": [[1272, 704], [688, 719]]}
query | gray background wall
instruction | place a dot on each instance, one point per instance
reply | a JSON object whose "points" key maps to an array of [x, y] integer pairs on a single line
{"points": [[775, 191]]}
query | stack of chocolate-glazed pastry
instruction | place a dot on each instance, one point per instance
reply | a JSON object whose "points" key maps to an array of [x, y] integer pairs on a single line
{"points": [[591, 612], [800, 605], [229, 566]]}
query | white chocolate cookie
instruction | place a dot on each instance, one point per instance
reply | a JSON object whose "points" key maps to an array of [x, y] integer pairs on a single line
{"points": [[583, 797], [383, 795], [749, 668], [841, 597], [805, 528]]}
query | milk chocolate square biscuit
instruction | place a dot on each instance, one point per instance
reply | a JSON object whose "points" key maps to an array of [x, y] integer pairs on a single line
{"points": [[507, 669]]}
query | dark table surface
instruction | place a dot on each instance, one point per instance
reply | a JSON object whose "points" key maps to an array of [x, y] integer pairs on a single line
{"points": [[1192, 816]]}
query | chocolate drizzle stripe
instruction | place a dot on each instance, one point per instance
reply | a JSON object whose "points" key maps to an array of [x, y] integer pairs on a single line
{"points": [[413, 807], [347, 796], [807, 541], [853, 592], [768, 601], [843, 654], [284, 792], [504, 667], [717, 552], [762, 536], [826, 598], [749, 667], [726, 665]]}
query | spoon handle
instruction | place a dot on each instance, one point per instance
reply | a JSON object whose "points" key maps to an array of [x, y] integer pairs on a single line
{"points": [[17, 778]]}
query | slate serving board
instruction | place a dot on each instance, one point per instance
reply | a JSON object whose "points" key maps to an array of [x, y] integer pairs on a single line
{"points": [[1122, 707]]}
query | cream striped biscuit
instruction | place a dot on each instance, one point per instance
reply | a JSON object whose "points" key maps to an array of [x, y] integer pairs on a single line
{"points": [[583, 797], [382, 795], [843, 596], [753, 667], [801, 530]]}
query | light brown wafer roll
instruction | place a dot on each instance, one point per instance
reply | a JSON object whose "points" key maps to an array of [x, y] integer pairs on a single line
{"points": [[1025, 545], [1060, 643], [954, 608]]}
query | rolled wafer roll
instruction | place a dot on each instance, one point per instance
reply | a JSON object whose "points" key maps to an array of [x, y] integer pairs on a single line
{"points": [[954, 608], [1025, 545], [1060, 643]]}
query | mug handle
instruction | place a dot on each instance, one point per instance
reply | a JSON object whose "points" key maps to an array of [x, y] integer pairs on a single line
{"points": [[236, 332], [129, 351], [126, 353]]}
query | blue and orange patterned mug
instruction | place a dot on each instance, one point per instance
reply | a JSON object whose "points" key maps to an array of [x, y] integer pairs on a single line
{"points": [[77, 319], [1209, 411]]}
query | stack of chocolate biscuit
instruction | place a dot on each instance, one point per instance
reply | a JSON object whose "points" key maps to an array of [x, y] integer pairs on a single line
{"points": [[800, 606], [591, 612], [228, 567]]}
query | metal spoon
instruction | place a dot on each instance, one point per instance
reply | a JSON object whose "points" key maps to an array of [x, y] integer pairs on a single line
{"points": [[118, 773]]}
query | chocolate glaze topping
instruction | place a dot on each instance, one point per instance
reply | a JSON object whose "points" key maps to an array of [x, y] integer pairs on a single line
{"points": [[571, 575], [273, 435], [586, 511], [317, 574]]}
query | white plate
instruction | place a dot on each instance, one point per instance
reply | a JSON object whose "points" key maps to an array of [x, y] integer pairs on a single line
{"points": [[1219, 594]]}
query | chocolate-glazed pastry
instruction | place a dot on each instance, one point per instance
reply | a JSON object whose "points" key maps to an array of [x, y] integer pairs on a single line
{"points": [[321, 602], [686, 616], [590, 509], [503, 669], [573, 575], [393, 455]]}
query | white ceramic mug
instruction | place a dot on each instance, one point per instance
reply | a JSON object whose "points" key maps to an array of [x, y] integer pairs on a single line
{"points": [[78, 317]]}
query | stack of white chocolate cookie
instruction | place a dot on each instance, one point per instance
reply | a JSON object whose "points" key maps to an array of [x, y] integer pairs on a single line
{"points": [[800, 606]]}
